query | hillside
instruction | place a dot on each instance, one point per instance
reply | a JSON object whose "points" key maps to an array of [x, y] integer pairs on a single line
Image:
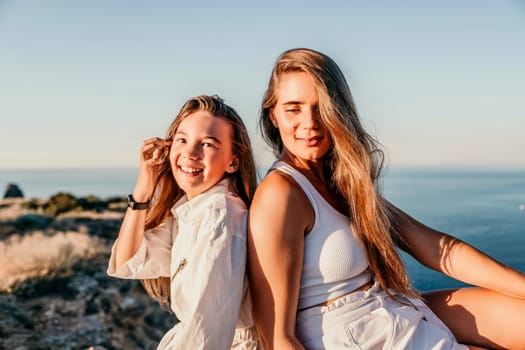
{"points": [[54, 291]]}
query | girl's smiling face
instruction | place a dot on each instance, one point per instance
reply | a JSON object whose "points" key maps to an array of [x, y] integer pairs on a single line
{"points": [[201, 152]]}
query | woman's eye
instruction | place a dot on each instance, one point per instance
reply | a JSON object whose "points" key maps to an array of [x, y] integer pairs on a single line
{"points": [[207, 144], [180, 140], [292, 110]]}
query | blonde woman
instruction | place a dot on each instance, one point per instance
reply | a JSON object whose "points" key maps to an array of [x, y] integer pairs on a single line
{"points": [[184, 232], [323, 265]]}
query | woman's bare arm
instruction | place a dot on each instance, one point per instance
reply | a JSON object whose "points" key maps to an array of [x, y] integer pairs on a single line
{"points": [[491, 315], [457, 259], [279, 217]]}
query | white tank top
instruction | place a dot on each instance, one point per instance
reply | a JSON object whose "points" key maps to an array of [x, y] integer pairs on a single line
{"points": [[334, 261]]}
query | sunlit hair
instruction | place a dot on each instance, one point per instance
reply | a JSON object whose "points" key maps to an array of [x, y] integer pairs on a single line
{"points": [[167, 192], [353, 163]]}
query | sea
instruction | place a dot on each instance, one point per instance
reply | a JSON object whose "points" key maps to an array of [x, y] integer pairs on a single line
{"points": [[484, 207]]}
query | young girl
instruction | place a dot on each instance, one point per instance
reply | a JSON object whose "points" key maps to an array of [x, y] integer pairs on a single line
{"points": [[184, 232]]}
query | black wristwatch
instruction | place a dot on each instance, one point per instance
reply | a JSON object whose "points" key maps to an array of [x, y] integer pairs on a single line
{"points": [[134, 205]]}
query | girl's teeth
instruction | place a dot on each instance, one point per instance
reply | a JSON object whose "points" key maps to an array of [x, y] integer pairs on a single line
{"points": [[190, 170]]}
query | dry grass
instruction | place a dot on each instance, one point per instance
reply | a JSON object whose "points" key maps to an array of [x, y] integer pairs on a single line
{"points": [[38, 255]]}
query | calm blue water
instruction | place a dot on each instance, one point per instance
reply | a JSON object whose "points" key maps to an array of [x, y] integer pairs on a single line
{"points": [[483, 207], [79, 182]]}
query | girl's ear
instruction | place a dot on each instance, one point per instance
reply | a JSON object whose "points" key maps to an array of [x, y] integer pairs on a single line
{"points": [[233, 166], [273, 120]]}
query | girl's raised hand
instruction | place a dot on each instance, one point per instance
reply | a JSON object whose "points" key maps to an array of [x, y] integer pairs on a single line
{"points": [[153, 153]]}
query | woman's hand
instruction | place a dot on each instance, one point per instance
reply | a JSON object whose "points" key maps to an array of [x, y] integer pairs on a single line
{"points": [[153, 153]]}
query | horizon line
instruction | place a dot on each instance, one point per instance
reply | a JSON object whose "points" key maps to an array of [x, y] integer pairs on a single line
{"points": [[386, 167]]}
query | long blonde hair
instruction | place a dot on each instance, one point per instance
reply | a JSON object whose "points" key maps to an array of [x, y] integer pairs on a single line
{"points": [[167, 192], [353, 163]]}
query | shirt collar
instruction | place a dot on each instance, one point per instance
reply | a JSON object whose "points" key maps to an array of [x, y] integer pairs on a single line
{"points": [[185, 209]]}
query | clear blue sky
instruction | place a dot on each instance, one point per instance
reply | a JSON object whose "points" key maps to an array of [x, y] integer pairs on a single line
{"points": [[82, 83]]}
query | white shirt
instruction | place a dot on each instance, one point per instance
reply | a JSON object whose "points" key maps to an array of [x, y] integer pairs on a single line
{"points": [[202, 247]]}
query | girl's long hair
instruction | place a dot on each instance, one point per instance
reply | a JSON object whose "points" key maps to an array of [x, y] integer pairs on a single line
{"points": [[167, 192], [353, 163]]}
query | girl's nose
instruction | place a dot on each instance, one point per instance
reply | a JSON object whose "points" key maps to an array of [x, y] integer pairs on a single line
{"points": [[311, 119], [192, 151]]}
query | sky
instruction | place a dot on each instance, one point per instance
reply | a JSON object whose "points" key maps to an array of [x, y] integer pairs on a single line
{"points": [[83, 83]]}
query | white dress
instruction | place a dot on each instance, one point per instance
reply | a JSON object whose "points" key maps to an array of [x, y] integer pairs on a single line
{"points": [[202, 248]]}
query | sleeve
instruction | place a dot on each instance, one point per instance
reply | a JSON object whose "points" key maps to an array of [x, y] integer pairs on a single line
{"points": [[153, 257], [218, 272]]}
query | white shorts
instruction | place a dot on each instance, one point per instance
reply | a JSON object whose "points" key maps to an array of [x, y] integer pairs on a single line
{"points": [[243, 339], [372, 320], [246, 339]]}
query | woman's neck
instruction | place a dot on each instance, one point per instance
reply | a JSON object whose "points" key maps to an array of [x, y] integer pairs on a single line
{"points": [[312, 169]]}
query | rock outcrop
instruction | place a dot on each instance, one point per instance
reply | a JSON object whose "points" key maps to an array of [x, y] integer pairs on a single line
{"points": [[13, 191], [75, 306]]}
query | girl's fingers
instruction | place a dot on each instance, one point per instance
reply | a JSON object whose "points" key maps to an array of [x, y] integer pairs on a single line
{"points": [[153, 162], [152, 154], [156, 142], [152, 139], [157, 154], [154, 166], [154, 148]]}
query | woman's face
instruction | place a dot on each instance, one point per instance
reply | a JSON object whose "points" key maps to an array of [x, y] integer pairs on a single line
{"points": [[296, 115]]}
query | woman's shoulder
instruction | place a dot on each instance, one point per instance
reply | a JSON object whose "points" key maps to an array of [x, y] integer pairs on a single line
{"points": [[280, 207], [279, 185], [279, 191]]}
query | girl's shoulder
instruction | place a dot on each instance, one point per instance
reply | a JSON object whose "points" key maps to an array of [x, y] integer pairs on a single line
{"points": [[224, 209], [221, 197], [227, 201]]}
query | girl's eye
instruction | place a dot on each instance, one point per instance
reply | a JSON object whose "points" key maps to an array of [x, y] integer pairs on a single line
{"points": [[207, 144], [292, 110], [180, 140]]}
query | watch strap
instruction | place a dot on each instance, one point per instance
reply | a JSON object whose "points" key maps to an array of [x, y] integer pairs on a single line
{"points": [[134, 205]]}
